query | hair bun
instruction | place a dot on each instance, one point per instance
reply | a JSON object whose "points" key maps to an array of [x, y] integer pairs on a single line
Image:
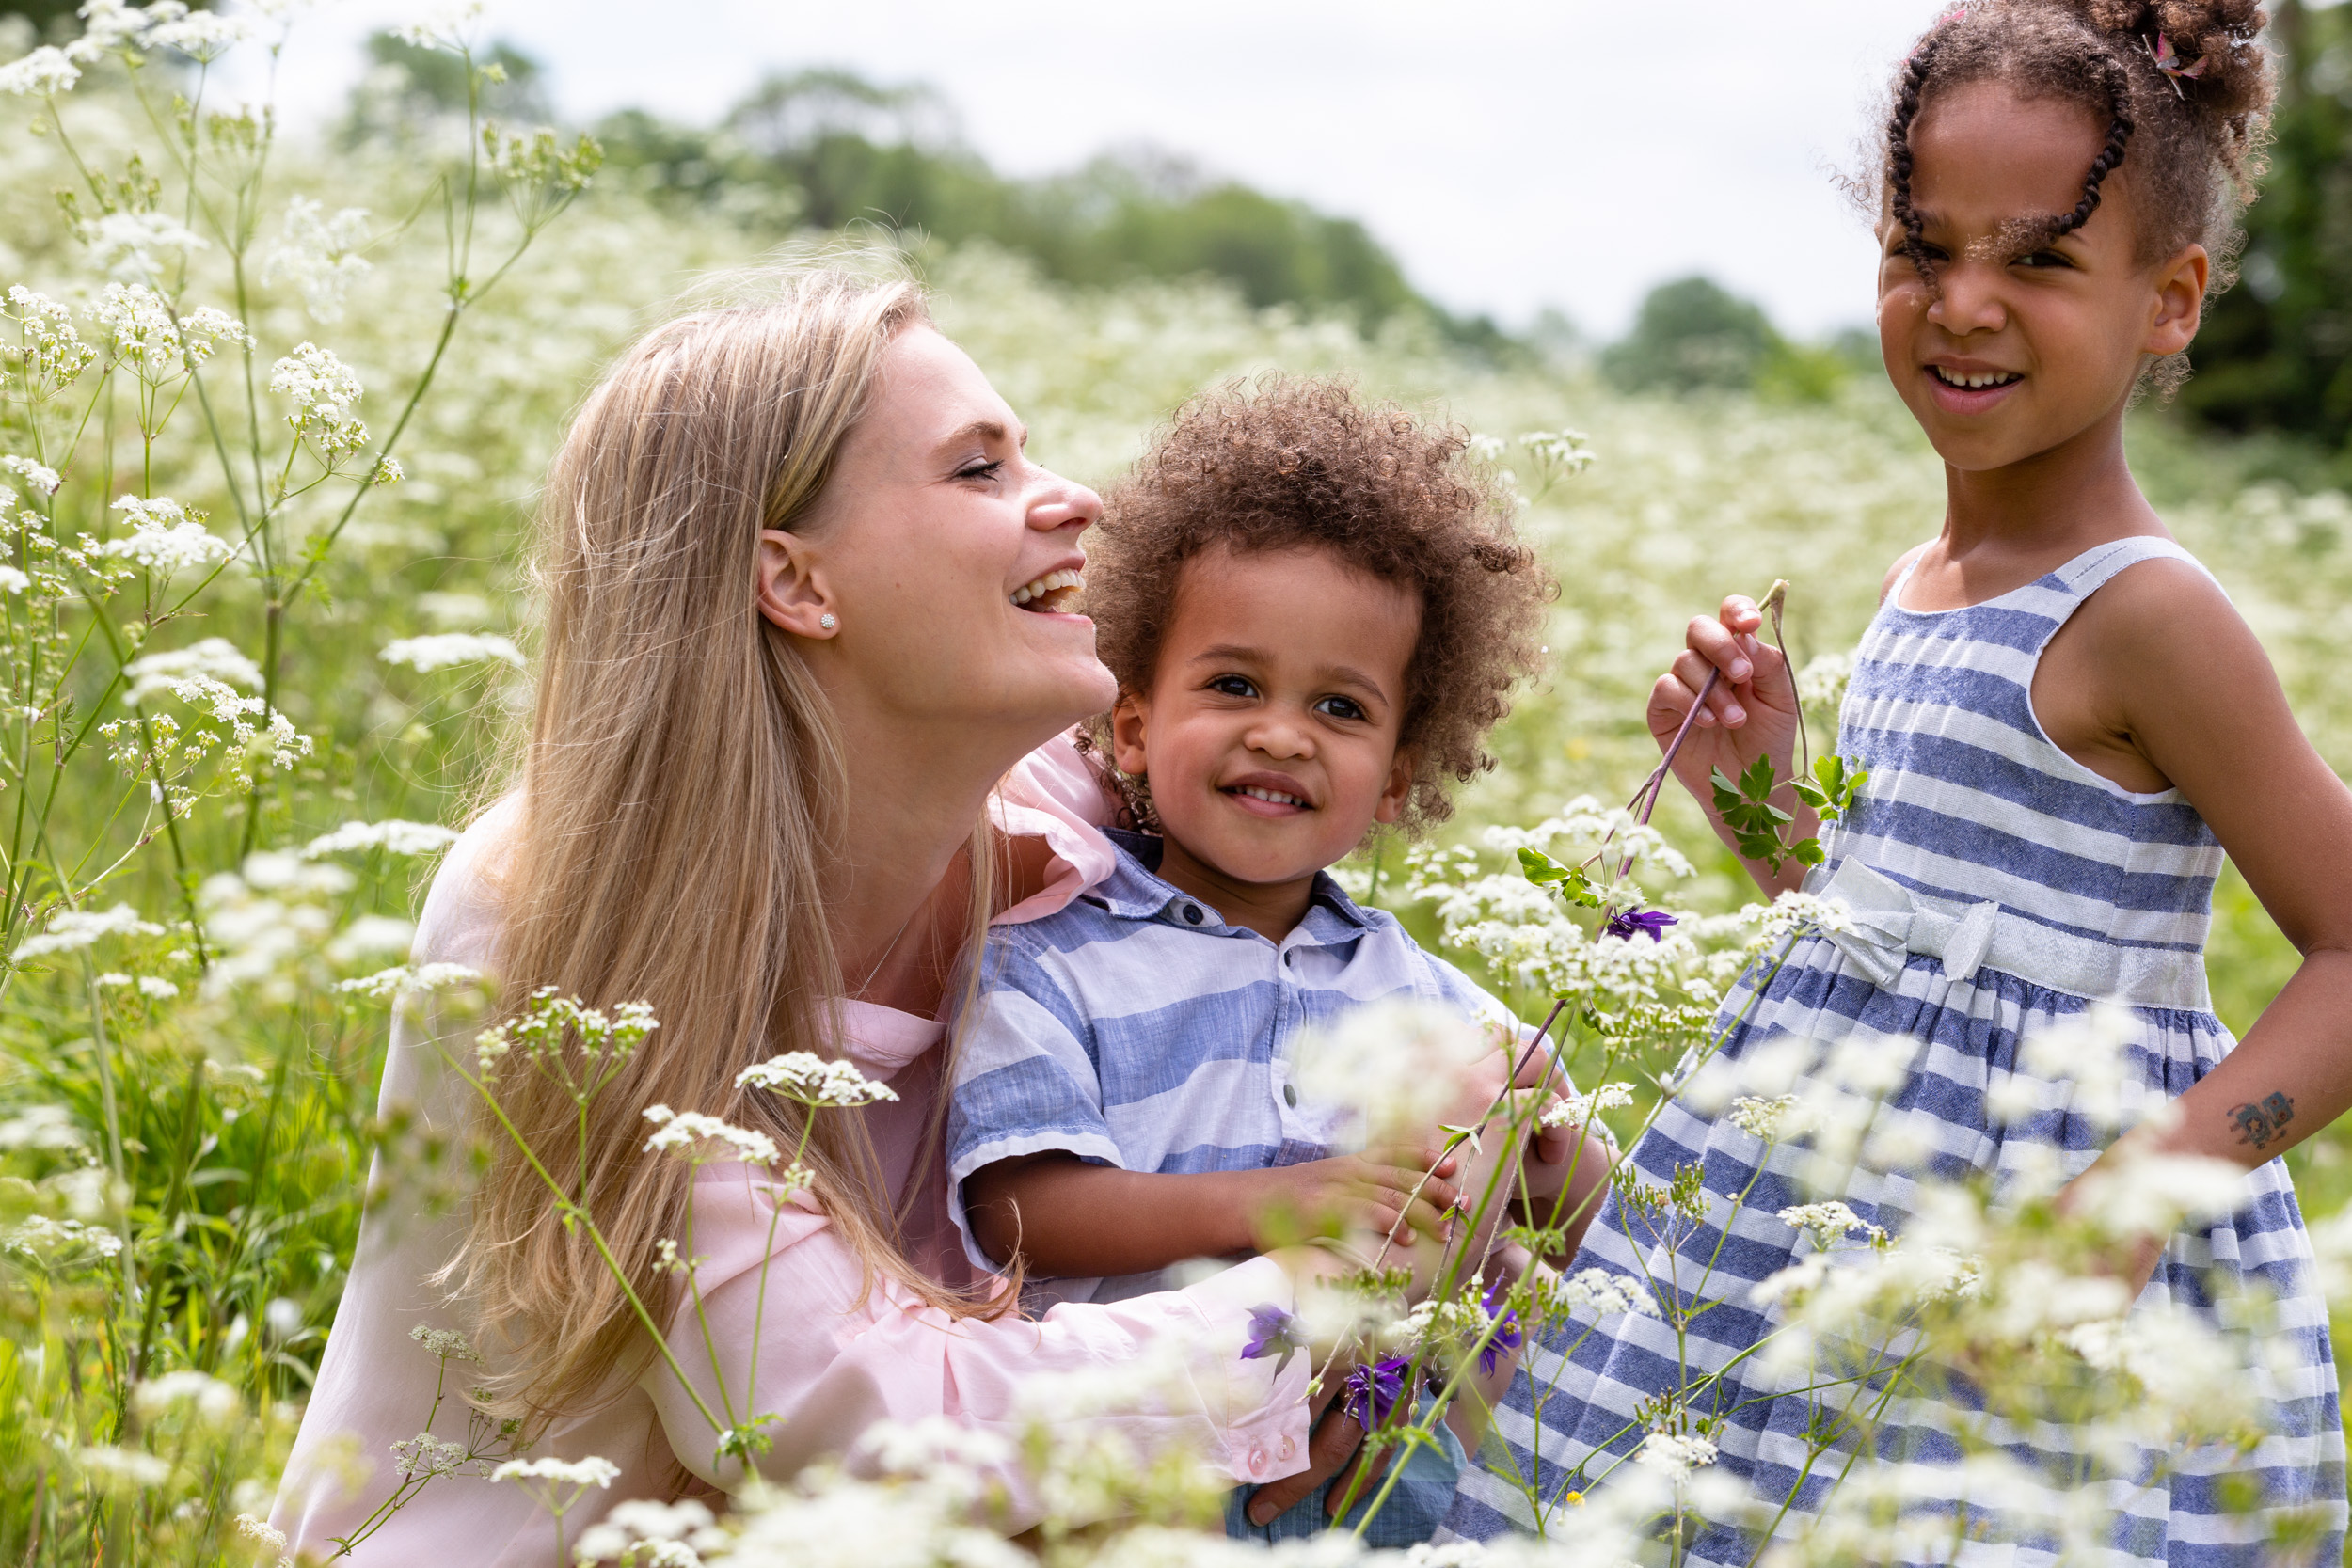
{"points": [[2220, 41]]}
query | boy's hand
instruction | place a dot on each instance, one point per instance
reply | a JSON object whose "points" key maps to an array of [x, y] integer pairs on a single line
{"points": [[1389, 1191]]}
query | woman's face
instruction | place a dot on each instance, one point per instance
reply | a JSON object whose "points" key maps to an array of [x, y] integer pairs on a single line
{"points": [[947, 561]]}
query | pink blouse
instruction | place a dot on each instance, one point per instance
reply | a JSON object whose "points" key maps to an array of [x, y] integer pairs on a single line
{"points": [[833, 1356]]}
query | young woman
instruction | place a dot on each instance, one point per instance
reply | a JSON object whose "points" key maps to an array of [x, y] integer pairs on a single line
{"points": [[806, 607]]}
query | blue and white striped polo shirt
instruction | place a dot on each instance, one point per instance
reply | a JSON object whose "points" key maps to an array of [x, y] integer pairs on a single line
{"points": [[1136, 1028]]}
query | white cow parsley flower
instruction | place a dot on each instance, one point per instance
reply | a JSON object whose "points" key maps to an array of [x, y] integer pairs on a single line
{"points": [[441, 650]]}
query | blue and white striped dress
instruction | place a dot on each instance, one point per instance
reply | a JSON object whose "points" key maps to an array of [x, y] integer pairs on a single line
{"points": [[2101, 893]]}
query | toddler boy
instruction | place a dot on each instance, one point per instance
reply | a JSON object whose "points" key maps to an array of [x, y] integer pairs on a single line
{"points": [[1315, 615]]}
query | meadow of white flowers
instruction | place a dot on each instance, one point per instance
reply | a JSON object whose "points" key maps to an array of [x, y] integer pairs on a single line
{"points": [[271, 415]]}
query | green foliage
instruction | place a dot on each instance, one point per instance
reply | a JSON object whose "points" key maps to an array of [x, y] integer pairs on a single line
{"points": [[1692, 334], [2276, 352]]}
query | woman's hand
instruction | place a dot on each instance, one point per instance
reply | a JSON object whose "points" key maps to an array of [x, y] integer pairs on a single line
{"points": [[1750, 712], [1334, 1453]]}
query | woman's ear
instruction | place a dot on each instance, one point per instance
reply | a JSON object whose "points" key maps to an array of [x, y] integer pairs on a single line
{"points": [[1131, 717], [2180, 301], [1399, 788], [792, 591]]}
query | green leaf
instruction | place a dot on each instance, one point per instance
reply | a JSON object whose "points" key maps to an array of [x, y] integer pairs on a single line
{"points": [[1757, 783], [1810, 850]]}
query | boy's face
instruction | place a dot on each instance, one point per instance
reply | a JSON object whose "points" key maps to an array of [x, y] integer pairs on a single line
{"points": [[2052, 338], [1269, 735]]}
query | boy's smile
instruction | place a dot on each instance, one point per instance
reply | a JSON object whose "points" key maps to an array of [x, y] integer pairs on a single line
{"points": [[1269, 735]]}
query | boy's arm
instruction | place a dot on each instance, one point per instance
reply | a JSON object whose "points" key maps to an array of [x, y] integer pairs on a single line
{"points": [[1067, 1218]]}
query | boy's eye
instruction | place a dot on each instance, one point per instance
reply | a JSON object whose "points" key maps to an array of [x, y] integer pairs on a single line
{"points": [[1232, 686], [1340, 707]]}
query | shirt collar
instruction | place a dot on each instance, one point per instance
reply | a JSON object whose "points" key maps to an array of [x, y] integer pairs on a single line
{"points": [[1134, 891]]}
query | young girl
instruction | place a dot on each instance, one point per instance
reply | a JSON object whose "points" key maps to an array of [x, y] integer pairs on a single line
{"points": [[2062, 716]]}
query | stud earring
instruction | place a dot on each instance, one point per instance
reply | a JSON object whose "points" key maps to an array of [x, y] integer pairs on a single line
{"points": [[827, 622]]}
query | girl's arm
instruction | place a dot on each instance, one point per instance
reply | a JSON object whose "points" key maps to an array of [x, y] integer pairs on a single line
{"points": [[1751, 712], [2180, 677]]}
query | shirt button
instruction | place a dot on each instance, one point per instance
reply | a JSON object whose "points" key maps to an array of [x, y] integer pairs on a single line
{"points": [[1289, 1448], [1192, 913], [1257, 1462], [1290, 1098]]}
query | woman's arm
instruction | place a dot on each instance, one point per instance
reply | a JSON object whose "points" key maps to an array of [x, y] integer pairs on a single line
{"points": [[796, 1331]]}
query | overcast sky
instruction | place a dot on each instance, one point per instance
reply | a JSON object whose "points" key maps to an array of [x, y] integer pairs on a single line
{"points": [[1515, 153]]}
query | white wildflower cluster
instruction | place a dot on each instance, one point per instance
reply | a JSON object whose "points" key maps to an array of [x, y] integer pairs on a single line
{"points": [[324, 390], [1575, 1109], [1764, 1117], [143, 332], [1590, 1292], [418, 979], [447, 26], [205, 677], [444, 650], [116, 1469], [645, 1534], [393, 837], [164, 538], [131, 245], [267, 922], [319, 255], [192, 1393], [813, 1080], [1828, 1222], [50, 354], [59, 1243], [201, 35], [425, 1457], [71, 930], [45, 71], [153, 987], [1673, 1455], [550, 1021], [446, 1343], [50, 1127], [1821, 684], [700, 1139], [2077, 1066], [42, 479], [1386, 1065]]}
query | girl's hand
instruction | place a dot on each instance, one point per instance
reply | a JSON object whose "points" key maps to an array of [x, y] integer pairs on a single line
{"points": [[1751, 711]]}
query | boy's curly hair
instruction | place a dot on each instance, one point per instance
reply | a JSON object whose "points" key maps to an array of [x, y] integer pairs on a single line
{"points": [[1297, 464]]}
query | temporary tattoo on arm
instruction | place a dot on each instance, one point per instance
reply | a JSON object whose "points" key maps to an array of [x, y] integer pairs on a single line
{"points": [[2259, 1124]]}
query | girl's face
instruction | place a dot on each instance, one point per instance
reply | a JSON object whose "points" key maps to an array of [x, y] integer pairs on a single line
{"points": [[947, 561], [2017, 351]]}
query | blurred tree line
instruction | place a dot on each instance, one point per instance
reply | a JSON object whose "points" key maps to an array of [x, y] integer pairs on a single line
{"points": [[2276, 352], [826, 148]]}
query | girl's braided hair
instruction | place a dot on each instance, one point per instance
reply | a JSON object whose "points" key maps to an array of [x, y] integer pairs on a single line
{"points": [[2194, 141]]}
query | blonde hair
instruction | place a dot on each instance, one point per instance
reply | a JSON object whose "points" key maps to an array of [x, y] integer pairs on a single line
{"points": [[680, 788]]}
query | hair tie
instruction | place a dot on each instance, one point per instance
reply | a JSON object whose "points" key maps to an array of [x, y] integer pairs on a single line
{"points": [[2170, 63]]}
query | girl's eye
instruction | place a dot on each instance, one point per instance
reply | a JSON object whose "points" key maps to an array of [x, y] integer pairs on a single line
{"points": [[1232, 686], [2042, 259], [1340, 707], [981, 470]]}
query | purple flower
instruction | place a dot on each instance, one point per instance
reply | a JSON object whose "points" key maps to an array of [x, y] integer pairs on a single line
{"points": [[1627, 923], [1273, 1332], [1506, 1335], [1371, 1392]]}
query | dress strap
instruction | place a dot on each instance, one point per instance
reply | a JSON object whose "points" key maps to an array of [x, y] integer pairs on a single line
{"points": [[2090, 571]]}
